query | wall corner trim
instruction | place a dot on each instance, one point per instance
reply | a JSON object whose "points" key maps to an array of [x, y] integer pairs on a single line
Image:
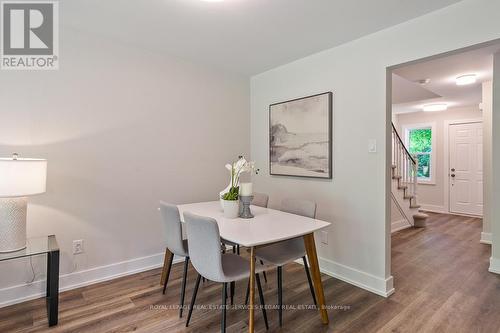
{"points": [[494, 265], [377, 285], [486, 238]]}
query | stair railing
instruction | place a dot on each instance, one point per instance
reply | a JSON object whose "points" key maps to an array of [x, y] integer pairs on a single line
{"points": [[405, 166]]}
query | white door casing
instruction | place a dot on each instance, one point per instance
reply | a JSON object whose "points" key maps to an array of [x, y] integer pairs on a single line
{"points": [[466, 168]]}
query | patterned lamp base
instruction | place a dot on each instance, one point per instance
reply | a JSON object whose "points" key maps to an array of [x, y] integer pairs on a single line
{"points": [[13, 224]]}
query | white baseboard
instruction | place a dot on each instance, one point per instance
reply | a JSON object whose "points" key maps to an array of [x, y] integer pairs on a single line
{"points": [[485, 238], [399, 225], [374, 284], [494, 265], [443, 210], [433, 208], [25, 292]]}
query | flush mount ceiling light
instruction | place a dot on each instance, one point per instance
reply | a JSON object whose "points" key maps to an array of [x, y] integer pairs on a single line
{"points": [[423, 81], [435, 107], [463, 80]]}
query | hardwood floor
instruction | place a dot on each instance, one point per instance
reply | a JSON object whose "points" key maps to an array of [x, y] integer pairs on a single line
{"points": [[441, 279]]}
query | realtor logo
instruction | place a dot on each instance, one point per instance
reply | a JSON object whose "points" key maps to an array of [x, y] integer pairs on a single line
{"points": [[29, 35]]}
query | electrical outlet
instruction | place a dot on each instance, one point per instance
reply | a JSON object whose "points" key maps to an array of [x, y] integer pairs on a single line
{"points": [[324, 237], [78, 246], [372, 146]]}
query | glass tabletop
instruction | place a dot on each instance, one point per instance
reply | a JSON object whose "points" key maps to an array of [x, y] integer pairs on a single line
{"points": [[34, 246]]}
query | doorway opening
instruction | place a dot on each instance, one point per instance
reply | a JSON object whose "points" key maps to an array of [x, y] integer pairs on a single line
{"points": [[440, 142], [441, 136]]}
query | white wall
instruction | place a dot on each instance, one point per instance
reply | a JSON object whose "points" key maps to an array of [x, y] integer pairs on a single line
{"points": [[433, 196], [355, 200], [121, 129]]}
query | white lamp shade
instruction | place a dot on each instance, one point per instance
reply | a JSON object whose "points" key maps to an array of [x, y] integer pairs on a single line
{"points": [[22, 177]]}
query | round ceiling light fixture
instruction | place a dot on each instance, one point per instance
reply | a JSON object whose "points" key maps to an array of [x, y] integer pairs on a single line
{"points": [[463, 80], [435, 107], [423, 82]]}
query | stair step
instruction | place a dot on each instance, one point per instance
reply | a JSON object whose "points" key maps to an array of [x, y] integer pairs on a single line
{"points": [[414, 206], [393, 166], [396, 177], [408, 197], [419, 220], [403, 187]]}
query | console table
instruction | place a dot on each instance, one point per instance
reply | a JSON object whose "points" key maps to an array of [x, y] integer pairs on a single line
{"points": [[43, 245]]}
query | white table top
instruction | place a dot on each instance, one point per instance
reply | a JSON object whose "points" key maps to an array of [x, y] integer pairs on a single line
{"points": [[268, 225]]}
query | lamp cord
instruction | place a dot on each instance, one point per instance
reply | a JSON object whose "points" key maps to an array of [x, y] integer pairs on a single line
{"points": [[32, 271]]}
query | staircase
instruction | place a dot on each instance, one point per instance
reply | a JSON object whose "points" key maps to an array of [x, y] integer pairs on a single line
{"points": [[404, 183]]}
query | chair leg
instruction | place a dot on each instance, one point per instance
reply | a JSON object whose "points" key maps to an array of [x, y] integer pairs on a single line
{"points": [[264, 272], [306, 267], [280, 295], [238, 249], [168, 273], [248, 292], [193, 299], [183, 288], [224, 296], [232, 287], [262, 303], [234, 249]]}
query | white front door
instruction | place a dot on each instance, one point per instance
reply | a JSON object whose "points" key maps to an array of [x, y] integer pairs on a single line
{"points": [[466, 168]]}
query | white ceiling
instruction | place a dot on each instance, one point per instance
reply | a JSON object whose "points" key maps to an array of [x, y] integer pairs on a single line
{"points": [[244, 36], [409, 96]]}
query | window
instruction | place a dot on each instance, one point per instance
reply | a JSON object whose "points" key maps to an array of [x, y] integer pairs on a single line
{"points": [[419, 140]]}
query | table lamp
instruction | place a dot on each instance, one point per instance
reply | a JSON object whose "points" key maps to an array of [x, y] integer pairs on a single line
{"points": [[19, 178]]}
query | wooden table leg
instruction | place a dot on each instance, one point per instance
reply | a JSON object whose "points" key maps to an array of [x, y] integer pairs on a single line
{"points": [[252, 291], [316, 276], [166, 266]]}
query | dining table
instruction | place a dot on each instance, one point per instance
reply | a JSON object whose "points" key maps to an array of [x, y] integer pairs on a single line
{"points": [[268, 226]]}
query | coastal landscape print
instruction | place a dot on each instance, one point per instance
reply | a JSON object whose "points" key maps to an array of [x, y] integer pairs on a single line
{"points": [[301, 137]]}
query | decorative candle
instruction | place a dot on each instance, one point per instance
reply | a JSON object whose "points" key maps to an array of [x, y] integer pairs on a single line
{"points": [[246, 189]]}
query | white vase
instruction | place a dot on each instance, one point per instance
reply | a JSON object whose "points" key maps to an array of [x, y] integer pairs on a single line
{"points": [[231, 208]]}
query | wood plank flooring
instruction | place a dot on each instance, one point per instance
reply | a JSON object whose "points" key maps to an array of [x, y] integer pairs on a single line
{"points": [[441, 278]]}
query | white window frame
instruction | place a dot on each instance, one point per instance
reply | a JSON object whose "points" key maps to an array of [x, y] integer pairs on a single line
{"points": [[432, 126]]}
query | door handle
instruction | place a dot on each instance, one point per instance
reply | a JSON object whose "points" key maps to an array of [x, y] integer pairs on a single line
{"points": [[452, 169], [452, 175]]}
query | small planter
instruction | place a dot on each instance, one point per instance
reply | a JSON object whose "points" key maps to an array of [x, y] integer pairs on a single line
{"points": [[231, 208]]}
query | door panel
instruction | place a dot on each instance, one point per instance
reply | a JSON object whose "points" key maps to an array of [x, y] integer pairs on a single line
{"points": [[466, 168]]}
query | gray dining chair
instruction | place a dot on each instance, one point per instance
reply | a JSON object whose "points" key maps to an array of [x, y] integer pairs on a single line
{"points": [[260, 199], [175, 243], [206, 257], [284, 252]]}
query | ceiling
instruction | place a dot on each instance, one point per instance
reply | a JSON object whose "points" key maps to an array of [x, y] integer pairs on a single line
{"points": [[410, 96], [243, 36]]}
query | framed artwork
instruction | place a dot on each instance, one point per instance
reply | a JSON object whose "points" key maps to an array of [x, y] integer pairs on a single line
{"points": [[300, 137]]}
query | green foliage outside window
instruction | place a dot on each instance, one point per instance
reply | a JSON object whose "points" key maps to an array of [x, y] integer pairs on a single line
{"points": [[420, 146], [420, 141]]}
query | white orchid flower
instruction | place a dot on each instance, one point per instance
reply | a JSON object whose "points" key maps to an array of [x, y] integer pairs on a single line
{"points": [[240, 164], [238, 167]]}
